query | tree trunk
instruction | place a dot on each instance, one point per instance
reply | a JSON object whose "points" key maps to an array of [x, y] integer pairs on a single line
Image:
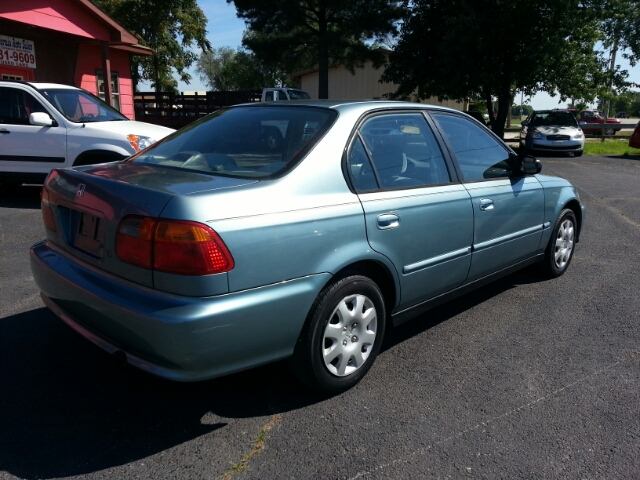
{"points": [[489, 102], [323, 54], [504, 103], [156, 73]]}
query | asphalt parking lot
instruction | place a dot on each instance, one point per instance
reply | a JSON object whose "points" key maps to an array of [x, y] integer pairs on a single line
{"points": [[521, 379]]}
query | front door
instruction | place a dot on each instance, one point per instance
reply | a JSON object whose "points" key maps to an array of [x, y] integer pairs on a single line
{"points": [[508, 208], [24, 147]]}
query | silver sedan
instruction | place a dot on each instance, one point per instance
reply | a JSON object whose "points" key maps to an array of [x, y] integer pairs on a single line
{"points": [[552, 131]]}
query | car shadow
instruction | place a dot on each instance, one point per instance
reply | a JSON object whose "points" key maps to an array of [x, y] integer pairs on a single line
{"points": [[626, 157], [451, 309], [26, 196], [68, 408]]}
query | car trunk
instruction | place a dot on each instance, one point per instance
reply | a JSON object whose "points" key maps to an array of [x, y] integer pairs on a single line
{"points": [[88, 204]]}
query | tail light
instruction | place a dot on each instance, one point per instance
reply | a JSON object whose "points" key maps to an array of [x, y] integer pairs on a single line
{"points": [[47, 213], [172, 246]]}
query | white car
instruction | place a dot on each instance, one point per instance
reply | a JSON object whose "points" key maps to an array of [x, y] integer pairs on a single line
{"points": [[47, 125]]}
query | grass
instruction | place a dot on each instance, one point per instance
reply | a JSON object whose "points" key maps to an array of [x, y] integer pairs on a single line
{"points": [[258, 446], [609, 146]]}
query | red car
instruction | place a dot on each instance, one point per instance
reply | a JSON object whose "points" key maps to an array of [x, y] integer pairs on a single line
{"points": [[634, 141], [591, 116]]}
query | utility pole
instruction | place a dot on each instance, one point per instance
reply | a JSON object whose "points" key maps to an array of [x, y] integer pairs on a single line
{"points": [[614, 50]]}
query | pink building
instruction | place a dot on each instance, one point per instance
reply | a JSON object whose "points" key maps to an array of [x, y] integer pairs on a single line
{"points": [[71, 42]]}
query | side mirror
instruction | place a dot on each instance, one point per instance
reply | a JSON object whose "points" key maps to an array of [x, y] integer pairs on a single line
{"points": [[582, 123], [40, 119], [530, 165], [524, 124]]}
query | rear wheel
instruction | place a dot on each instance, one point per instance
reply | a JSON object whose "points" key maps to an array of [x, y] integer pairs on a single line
{"points": [[561, 245], [609, 131], [342, 335]]}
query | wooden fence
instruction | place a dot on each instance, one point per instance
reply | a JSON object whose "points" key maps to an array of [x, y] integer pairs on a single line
{"points": [[177, 110]]}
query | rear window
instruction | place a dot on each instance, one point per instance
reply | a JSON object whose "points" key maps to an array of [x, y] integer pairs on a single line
{"points": [[244, 142]]}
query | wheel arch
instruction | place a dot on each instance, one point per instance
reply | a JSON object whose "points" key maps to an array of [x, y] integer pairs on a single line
{"points": [[381, 275], [91, 157], [575, 207]]}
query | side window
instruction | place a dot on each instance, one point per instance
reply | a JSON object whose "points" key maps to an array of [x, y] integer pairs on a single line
{"points": [[479, 155], [360, 168], [404, 151], [115, 91], [16, 106]]}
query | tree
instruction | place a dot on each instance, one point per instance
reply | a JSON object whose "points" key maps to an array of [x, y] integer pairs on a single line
{"points": [[302, 33], [457, 49], [213, 67], [226, 69], [170, 28]]}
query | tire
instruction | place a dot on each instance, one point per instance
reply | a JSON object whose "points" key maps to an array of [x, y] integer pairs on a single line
{"points": [[609, 131], [578, 154], [341, 336], [559, 252]]}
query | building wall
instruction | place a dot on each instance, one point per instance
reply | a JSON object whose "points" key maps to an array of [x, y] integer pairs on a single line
{"points": [[90, 59], [363, 85]]}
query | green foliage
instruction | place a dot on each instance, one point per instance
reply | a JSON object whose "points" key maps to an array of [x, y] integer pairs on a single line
{"points": [[457, 49], [526, 110], [226, 69], [300, 34], [628, 102], [620, 26], [170, 27]]}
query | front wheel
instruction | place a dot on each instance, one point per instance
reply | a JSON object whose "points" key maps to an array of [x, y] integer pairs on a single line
{"points": [[561, 245], [342, 335], [609, 131]]}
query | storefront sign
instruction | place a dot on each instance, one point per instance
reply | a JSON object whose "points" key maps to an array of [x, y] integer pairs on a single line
{"points": [[17, 52]]}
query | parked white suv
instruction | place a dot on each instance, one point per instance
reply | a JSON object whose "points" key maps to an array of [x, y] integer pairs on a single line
{"points": [[47, 125]]}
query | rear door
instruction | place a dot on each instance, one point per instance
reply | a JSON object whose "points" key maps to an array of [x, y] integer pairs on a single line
{"points": [[415, 214], [508, 209], [24, 147]]}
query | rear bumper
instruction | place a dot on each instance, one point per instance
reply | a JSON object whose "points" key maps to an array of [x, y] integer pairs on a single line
{"points": [[175, 337]]}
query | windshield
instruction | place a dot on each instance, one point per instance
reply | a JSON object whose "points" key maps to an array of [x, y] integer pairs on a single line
{"points": [[298, 95], [554, 119], [245, 142], [80, 106]]}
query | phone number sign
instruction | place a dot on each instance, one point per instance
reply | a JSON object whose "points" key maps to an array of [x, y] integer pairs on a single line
{"points": [[17, 52]]}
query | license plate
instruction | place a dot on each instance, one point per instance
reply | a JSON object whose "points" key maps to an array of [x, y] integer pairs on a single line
{"points": [[90, 234], [558, 141]]}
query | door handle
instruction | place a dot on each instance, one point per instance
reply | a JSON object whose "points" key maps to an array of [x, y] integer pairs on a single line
{"points": [[486, 204], [4, 132], [388, 220]]}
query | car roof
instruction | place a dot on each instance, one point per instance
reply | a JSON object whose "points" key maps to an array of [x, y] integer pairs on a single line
{"points": [[42, 85], [349, 105]]}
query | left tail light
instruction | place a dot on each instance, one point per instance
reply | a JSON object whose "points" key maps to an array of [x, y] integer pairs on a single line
{"points": [[47, 213], [172, 246]]}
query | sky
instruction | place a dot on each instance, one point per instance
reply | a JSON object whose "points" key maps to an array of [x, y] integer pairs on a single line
{"points": [[225, 29]]}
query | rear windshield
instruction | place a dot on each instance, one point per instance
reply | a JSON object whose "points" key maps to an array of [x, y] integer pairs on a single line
{"points": [[554, 119], [245, 142], [298, 95]]}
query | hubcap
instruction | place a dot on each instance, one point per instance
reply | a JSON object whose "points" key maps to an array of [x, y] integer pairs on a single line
{"points": [[564, 244], [349, 335]]}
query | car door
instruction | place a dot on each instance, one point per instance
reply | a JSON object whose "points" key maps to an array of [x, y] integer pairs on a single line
{"points": [[415, 214], [24, 147], [508, 208]]}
